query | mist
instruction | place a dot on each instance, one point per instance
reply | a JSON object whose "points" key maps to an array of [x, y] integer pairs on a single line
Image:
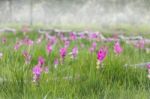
{"points": [[99, 12]]}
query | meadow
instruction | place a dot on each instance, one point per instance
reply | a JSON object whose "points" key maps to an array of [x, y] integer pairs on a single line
{"points": [[67, 66]]}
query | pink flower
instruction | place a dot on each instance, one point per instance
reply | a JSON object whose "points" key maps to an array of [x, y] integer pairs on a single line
{"points": [[27, 57], [63, 52], [37, 70], [140, 44], [93, 47], [39, 40], [117, 48], [3, 40], [53, 40], [74, 52], [102, 53], [82, 35], [56, 62], [41, 61], [67, 43], [46, 70], [27, 41], [93, 36], [94, 44], [49, 48], [72, 36], [17, 46], [148, 66]]}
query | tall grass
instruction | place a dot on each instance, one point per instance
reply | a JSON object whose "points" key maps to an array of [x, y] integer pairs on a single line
{"points": [[75, 79]]}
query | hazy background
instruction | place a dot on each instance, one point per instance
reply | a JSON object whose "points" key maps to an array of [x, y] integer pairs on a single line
{"points": [[100, 12]]}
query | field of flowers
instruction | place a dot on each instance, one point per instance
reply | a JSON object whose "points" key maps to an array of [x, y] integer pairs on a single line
{"points": [[73, 65]]}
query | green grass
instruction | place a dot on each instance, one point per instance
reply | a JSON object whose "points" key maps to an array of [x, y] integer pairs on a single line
{"points": [[75, 79]]}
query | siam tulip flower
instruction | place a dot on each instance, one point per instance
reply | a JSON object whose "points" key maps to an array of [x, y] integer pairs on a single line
{"points": [[39, 40], [63, 52], [148, 67], [41, 61], [49, 48], [27, 41], [109, 39], [140, 44], [117, 48], [93, 47], [82, 35], [3, 40], [37, 70], [72, 36], [46, 70], [56, 62], [93, 36], [101, 56], [94, 44], [27, 57], [67, 43], [74, 52], [53, 40], [61, 35], [47, 36], [17, 46]]}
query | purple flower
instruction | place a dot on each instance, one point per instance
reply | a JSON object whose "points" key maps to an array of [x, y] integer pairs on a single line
{"points": [[56, 62], [93, 36], [82, 35], [41, 61], [148, 66], [27, 41], [27, 57], [4, 40], [39, 40], [91, 49], [53, 40], [140, 44], [117, 48], [63, 52], [102, 54], [72, 36], [49, 48], [37, 70], [94, 45], [46, 70], [17, 46], [74, 52], [67, 43]]}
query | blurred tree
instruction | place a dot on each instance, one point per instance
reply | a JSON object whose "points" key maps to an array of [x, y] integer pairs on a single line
{"points": [[31, 12], [10, 10]]}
